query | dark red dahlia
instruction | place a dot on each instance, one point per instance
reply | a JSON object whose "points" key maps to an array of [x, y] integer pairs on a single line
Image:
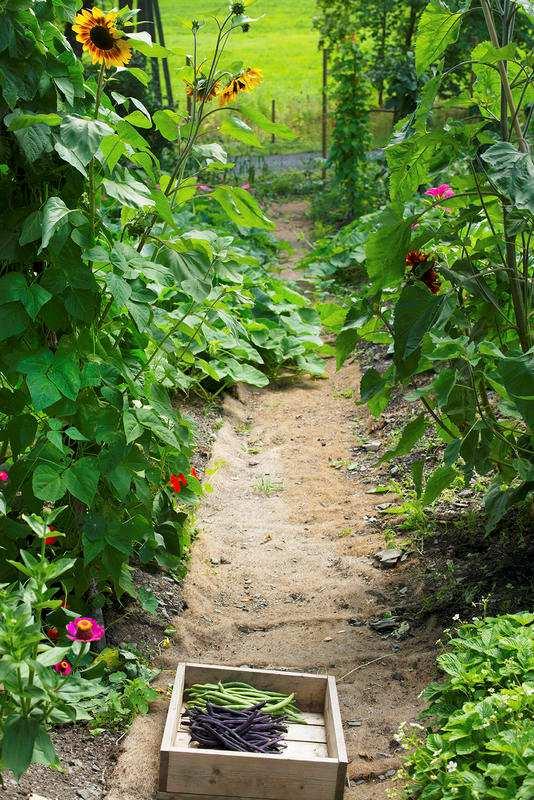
{"points": [[423, 267]]}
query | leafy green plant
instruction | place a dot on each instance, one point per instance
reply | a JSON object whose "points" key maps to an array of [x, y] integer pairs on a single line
{"points": [[112, 300], [43, 683], [482, 729], [450, 270], [351, 138]]}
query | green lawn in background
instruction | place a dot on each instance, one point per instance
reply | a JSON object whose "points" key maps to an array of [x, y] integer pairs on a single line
{"points": [[283, 44]]}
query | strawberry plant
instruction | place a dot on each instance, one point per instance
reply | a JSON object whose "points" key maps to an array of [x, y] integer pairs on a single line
{"points": [[480, 741]]}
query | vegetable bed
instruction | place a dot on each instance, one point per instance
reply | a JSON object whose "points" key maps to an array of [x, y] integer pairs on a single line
{"points": [[311, 765]]}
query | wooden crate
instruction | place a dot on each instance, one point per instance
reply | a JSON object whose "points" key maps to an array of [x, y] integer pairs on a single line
{"points": [[312, 767]]}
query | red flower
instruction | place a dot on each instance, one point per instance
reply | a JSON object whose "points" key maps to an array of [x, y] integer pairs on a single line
{"points": [[195, 474], [4, 476], [422, 265], [53, 634], [63, 668], [177, 482], [51, 539]]}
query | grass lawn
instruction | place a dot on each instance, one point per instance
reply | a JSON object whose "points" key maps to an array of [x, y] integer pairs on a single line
{"points": [[283, 44]]}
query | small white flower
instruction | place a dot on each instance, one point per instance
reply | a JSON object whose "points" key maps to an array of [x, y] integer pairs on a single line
{"points": [[456, 617], [452, 766]]}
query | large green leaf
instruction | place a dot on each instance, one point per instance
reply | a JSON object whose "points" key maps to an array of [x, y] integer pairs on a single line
{"points": [[55, 213], [241, 207], [438, 28], [437, 482], [129, 192], [387, 246], [410, 435], [512, 172], [517, 375], [83, 136], [142, 41], [253, 114], [168, 124], [416, 311], [408, 161], [48, 483], [24, 119], [82, 478], [19, 735], [13, 320], [236, 128]]}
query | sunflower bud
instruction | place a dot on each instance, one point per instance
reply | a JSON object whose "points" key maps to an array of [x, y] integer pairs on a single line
{"points": [[245, 28], [238, 9]]}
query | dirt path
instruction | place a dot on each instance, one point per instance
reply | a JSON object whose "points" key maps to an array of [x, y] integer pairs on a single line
{"points": [[283, 573]]}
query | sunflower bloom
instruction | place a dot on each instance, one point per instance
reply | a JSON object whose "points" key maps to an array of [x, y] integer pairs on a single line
{"points": [[244, 82], [100, 38], [202, 89]]}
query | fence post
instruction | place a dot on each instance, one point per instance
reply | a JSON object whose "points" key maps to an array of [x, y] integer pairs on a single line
{"points": [[324, 121], [273, 118]]}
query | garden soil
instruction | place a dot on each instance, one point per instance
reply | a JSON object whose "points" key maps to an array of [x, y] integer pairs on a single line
{"points": [[283, 573]]}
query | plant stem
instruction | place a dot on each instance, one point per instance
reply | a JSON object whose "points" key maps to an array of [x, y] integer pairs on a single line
{"points": [[505, 83]]}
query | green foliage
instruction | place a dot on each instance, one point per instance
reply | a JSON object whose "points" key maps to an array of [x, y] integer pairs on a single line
{"points": [[351, 138], [291, 73], [386, 31], [450, 277], [114, 297], [35, 696], [482, 716]]}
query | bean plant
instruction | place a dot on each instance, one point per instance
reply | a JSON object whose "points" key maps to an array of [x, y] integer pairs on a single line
{"points": [[114, 304]]}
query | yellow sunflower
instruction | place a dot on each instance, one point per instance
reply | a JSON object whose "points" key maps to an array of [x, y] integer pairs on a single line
{"points": [[100, 38], [244, 82]]}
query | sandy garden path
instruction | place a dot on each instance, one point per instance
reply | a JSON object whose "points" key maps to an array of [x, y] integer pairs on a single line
{"points": [[283, 573]]}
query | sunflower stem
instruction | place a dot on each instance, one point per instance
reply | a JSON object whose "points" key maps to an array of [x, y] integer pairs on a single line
{"points": [[92, 192]]}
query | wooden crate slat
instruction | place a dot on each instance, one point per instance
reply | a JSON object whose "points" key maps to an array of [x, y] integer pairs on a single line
{"points": [[262, 777], [298, 749], [306, 733]]}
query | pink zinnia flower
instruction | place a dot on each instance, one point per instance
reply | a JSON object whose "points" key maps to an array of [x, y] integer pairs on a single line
{"points": [[4, 476], [63, 668], [441, 192], [84, 629]]}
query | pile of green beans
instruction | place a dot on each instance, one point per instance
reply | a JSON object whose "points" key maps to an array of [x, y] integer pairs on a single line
{"points": [[240, 696]]}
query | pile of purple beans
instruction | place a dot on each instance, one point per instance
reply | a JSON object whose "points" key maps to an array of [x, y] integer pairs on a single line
{"points": [[247, 731]]}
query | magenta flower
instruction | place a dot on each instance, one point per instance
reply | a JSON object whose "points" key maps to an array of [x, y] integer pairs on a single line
{"points": [[441, 192], [84, 629], [203, 187], [246, 186], [63, 668], [4, 476]]}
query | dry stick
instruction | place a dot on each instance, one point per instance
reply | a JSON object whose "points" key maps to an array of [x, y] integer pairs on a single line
{"points": [[367, 664]]}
